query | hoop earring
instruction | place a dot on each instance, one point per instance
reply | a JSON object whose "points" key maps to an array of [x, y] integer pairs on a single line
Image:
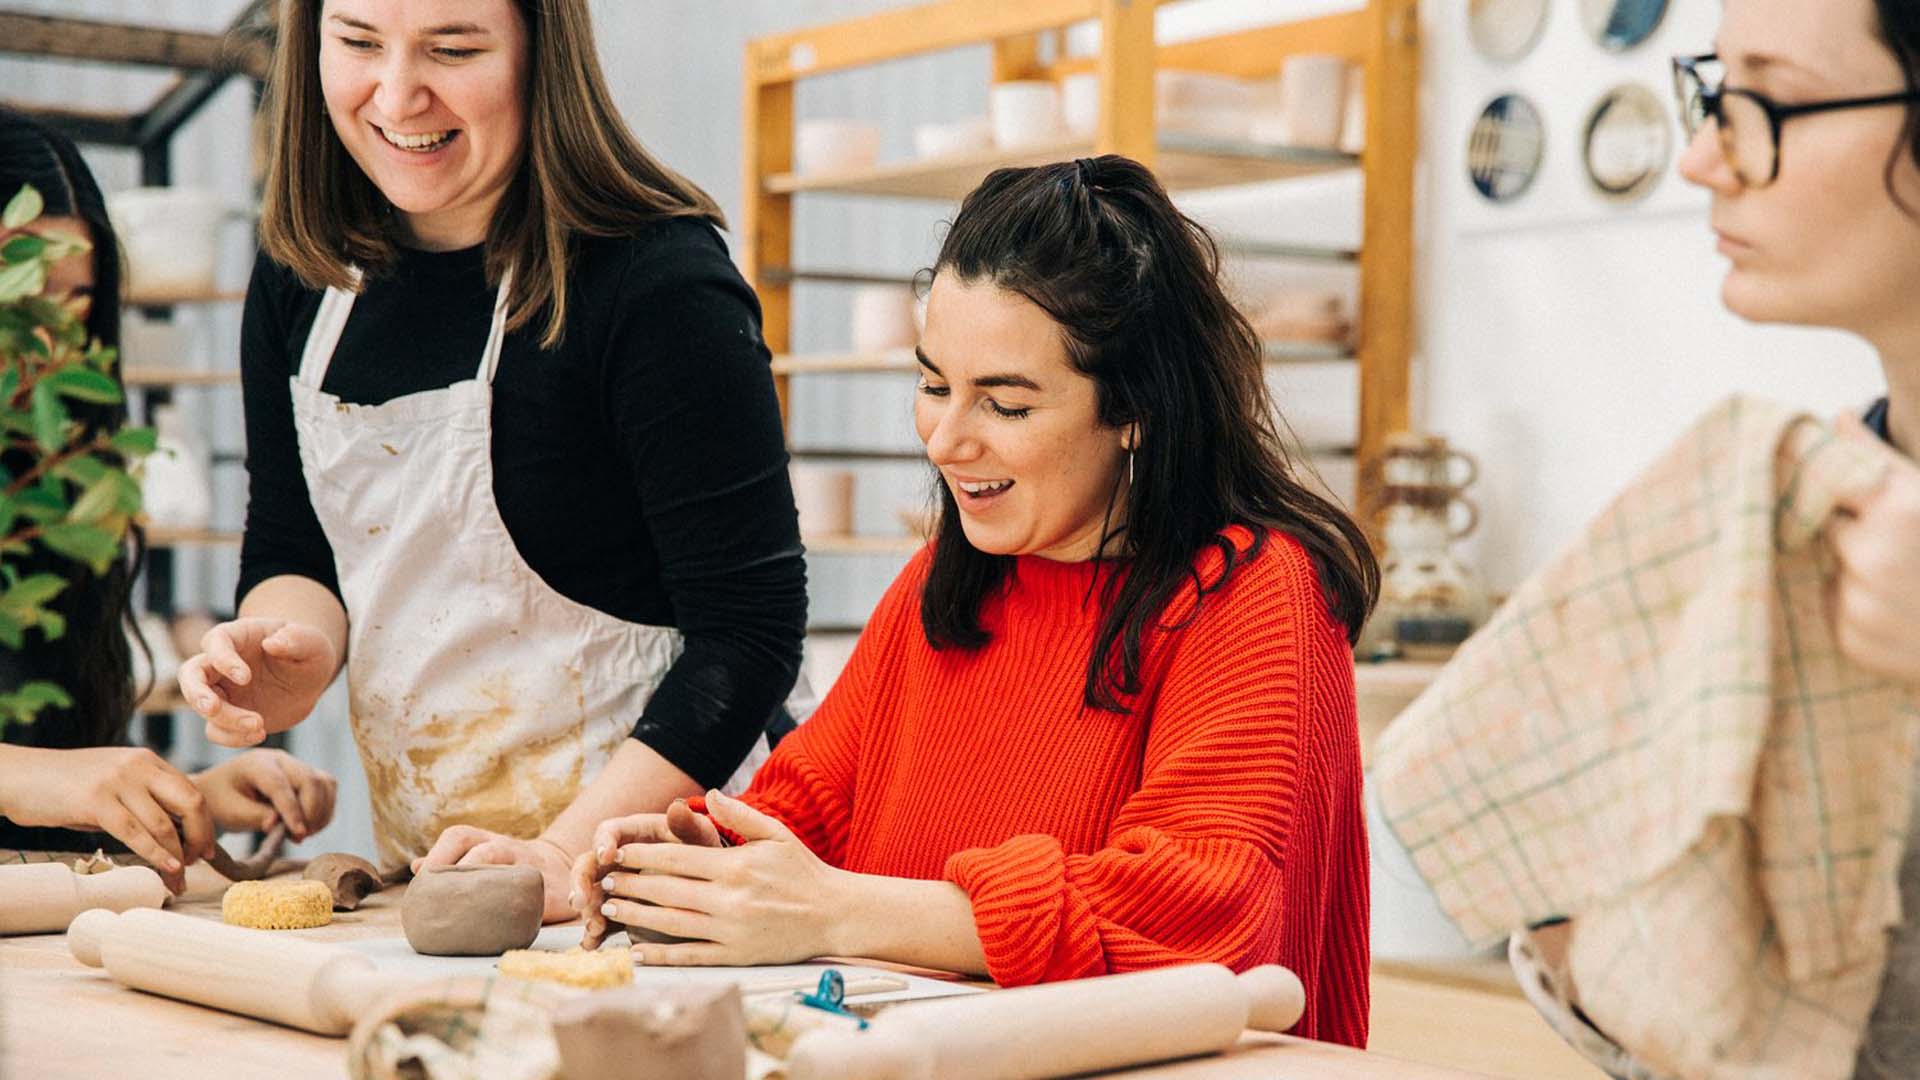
{"points": [[1129, 470]]}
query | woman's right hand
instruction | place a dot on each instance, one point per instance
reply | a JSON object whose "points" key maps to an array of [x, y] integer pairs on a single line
{"points": [[256, 675], [129, 793]]}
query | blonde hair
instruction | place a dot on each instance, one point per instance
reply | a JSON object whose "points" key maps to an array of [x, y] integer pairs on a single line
{"points": [[582, 172]]}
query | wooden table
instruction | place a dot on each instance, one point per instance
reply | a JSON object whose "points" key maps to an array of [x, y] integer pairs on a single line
{"points": [[59, 1018]]}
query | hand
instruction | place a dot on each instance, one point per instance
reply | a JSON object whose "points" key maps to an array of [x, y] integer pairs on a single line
{"points": [[253, 676], [464, 845], [129, 793], [679, 825], [254, 790], [768, 901], [1877, 543]]}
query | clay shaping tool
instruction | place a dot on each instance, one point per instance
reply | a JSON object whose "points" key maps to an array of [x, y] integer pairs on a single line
{"points": [[255, 866]]}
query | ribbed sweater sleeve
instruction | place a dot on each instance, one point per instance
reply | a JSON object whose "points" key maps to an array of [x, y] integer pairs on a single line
{"points": [[1191, 869], [808, 782]]}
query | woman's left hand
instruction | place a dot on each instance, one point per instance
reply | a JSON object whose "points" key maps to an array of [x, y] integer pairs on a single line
{"points": [[1877, 542], [768, 901], [256, 789]]}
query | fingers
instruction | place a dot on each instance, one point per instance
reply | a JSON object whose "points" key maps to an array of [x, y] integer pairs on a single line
{"points": [[453, 845], [118, 822], [182, 801], [663, 920], [691, 828], [491, 852], [218, 647], [318, 789], [227, 723], [663, 890], [149, 823], [632, 829], [586, 897], [680, 860], [268, 775]]}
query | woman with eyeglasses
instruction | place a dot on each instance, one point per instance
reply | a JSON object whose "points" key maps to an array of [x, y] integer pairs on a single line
{"points": [[1806, 130]]}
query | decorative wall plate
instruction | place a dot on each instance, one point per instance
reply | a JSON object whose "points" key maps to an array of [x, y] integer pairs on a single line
{"points": [[1628, 142], [1505, 148]]}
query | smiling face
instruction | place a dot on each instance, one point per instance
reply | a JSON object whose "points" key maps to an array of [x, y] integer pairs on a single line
{"points": [[1824, 244], [1013, 428], [429, 98]]}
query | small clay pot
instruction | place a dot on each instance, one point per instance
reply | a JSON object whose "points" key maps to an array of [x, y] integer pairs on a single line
{"points": [[473, 910]]}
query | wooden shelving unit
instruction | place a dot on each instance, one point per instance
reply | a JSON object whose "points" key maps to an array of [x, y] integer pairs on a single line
{"points": [[161, 538], [1381, 38], [168, 376]]}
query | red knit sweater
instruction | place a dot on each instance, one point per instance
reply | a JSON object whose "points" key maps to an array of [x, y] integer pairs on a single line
{"points": [[1221, 821]]}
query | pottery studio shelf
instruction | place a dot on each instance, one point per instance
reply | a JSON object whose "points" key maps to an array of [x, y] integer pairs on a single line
{"points": [[901, 361], [862, 545], [150, 376], [1185, 163], [1380, 37], [160, 537], [153, 300]]}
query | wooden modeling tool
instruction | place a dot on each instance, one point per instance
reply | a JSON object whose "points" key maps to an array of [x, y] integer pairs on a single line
{"points": [[255, 866], [305, 984], [1063, 1029], [42, 898]]}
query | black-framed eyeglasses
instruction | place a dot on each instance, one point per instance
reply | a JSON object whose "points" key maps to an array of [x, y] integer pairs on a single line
{"points": [[1748, 122]]}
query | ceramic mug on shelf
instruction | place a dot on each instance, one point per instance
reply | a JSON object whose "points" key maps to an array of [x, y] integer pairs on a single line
{"points": [[883, 318], [824, 496], [831, 146], [1313, 97], [956, 139], [1080, 104], [171, 237], [1026, 113]]}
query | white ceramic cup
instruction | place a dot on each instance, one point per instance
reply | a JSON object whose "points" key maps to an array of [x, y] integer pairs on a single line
{"points": [[830, 146], [171, 237], [883, 318], [824, 496], [1080, 104], [957, 139], [1313, 95], [1026, 113]]}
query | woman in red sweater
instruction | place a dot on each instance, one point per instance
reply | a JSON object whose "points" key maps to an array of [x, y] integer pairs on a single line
{"points": [[1105, 721]]}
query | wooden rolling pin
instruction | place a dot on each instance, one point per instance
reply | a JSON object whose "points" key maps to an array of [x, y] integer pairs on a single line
{"points": [[259, 973], [44, 897], [1062, 1029]]}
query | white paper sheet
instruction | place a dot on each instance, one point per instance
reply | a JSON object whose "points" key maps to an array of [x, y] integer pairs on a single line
{"points": [[394, 956]]}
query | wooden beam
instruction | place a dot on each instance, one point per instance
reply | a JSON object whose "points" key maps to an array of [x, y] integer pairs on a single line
{"points": [[83, 39], [892, 35], [766, 218], [82, 125], [1386, 267], [1258, 53], [1127, 80]]}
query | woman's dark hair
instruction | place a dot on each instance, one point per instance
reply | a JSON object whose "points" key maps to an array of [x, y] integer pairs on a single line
{"points": [[1899, 28], [1135, 288], [93, 660]]}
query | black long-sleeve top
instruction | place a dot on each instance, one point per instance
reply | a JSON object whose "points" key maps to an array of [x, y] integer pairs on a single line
{"points": [[639, 467]]}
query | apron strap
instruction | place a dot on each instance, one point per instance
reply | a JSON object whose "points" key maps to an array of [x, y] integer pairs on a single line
{"points": [[496, 333], [328, 322]]}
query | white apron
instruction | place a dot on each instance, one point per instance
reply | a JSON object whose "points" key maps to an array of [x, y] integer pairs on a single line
{"points": [[479, 695]]}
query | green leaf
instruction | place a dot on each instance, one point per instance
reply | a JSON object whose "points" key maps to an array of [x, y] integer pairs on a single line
{"points": [[26, 279], [52, 624], [23, 247], [101, 499], [12, 632], [89, 544], [49, 419], [22, 208], [135, 441], [43, 694], [85, 471], [33, 591], [9, 384], [40, 506], [82, 384]]}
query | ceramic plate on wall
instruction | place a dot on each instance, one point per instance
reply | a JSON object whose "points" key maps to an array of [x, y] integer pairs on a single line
{"points": [[1505, 29], [1628, 142], [1505, 148], [1619, 25]]}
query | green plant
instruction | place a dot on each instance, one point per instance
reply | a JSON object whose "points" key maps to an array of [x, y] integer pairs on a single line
{"points": [[65, 490]]}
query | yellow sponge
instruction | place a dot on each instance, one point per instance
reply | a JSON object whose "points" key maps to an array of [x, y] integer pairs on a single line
{"points": [[576, 967], [277, 905]]}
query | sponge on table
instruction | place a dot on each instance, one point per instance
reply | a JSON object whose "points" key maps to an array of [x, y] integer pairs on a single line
{"points": [[277, 905], [591, 970]]}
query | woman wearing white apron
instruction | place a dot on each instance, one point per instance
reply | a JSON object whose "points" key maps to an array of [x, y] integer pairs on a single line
{"points": [[514, 453]]}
